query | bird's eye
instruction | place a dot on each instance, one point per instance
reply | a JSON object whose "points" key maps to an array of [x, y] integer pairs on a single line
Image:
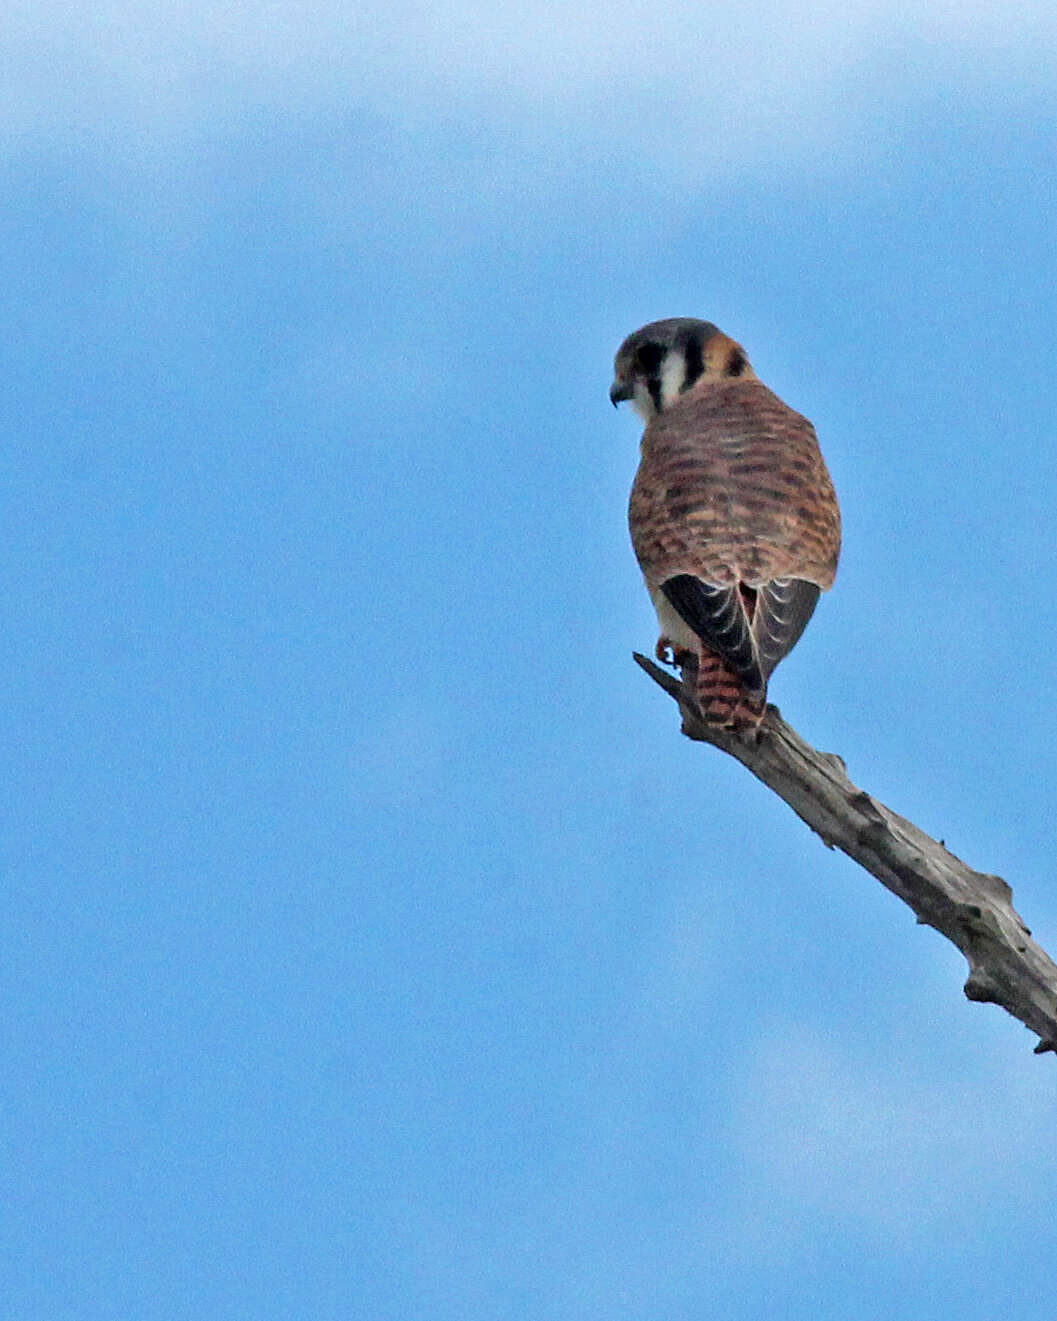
{"points": [[648, 358]]}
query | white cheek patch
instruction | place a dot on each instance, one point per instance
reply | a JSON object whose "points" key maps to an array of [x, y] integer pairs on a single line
{"points": [[642, 403], [673, 374]]}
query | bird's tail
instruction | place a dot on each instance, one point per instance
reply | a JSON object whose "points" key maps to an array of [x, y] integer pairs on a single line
{"points": [[721, 695]]}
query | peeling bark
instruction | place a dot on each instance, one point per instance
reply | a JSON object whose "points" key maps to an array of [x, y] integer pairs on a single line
{"points": [[974, 910]]}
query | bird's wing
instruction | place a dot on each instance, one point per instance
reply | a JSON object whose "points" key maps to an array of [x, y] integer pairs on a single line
{"points": [[718, 616], [783, 607]]}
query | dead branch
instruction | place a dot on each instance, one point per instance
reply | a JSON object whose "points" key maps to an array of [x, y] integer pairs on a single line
{"points": [[972, 909]]}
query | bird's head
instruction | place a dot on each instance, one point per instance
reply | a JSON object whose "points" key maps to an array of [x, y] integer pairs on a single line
{"points": [[663, 360]]}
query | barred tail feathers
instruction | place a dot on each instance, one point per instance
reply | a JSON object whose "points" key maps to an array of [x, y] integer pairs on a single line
{"points": [[721, 694]]}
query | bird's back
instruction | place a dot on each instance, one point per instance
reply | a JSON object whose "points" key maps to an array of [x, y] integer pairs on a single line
{"points": [[732, 486]]}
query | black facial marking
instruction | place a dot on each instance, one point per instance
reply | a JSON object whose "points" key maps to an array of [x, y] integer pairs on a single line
{"points": [[648, 358], [695, 361], [736, 363], [654, 387]]}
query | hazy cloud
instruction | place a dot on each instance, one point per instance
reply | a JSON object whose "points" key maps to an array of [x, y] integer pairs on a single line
{"points": [[688, 81]]}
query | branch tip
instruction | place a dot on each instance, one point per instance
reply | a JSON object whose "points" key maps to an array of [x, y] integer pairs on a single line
{"points": [[972, 909]]}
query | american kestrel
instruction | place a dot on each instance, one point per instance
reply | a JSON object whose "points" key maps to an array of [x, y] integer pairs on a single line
{"points": [[733, 515]]}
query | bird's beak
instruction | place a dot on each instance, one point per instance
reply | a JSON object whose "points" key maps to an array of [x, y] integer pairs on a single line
{"points": [[619, 391]]}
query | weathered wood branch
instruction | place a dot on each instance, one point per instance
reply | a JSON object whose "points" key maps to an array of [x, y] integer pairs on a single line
{"points": [[972, 909]]}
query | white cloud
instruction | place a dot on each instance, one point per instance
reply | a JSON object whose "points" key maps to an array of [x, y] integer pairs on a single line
{"points": [[684, 80]]}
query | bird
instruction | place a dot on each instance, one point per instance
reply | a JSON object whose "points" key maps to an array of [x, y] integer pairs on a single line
{"points": [[733, 516]]}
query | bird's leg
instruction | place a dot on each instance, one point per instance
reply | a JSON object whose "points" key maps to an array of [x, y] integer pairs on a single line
{"points": [[669, 654]]}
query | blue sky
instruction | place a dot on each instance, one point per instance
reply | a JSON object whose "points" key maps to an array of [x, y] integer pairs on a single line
{"points": [[375, 946]]}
